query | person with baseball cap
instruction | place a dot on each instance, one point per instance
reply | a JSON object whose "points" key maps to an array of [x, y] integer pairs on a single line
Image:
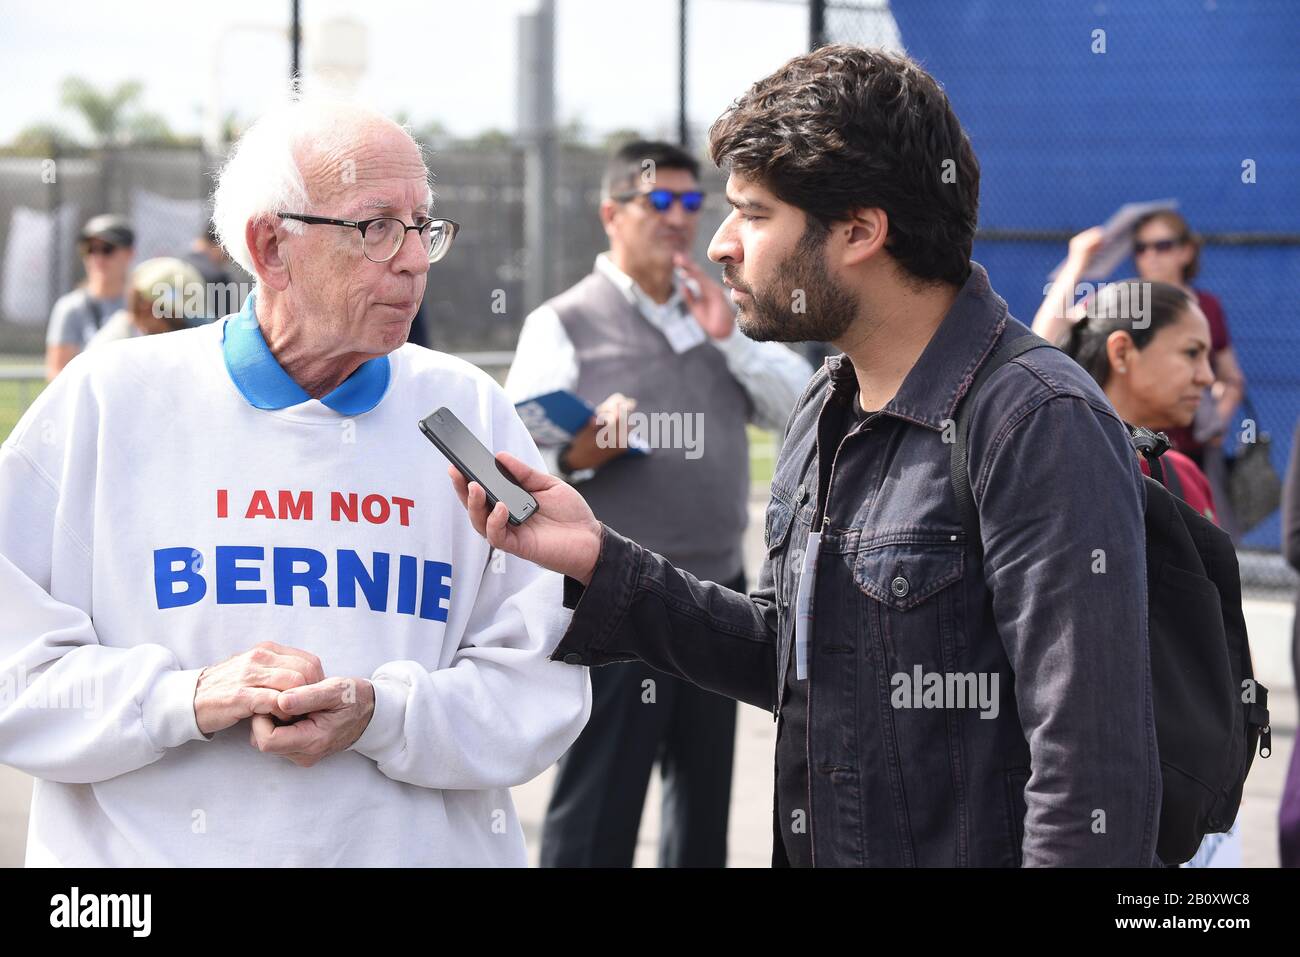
{"points": [[106, 244]]}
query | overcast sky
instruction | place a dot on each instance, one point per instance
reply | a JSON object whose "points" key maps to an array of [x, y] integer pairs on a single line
{"points": [[454, 62]]}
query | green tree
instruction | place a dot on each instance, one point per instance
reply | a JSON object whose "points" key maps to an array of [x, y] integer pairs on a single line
{"points": [[149, 128], [617, 138], [42, 139], [433, 134], [489, 140], [106, 113]]}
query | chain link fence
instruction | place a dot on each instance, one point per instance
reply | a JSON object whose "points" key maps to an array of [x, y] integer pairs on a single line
{"points": [[45, 200], [475, 300]]}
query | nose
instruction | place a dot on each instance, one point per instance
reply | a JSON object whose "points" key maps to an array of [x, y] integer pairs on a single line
{"points": [[412, 257], [1204, 372], [724, 247], [676, 214]]}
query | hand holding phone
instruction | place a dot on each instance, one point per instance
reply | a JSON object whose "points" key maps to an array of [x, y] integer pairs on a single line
{"points": [[477, 464]]}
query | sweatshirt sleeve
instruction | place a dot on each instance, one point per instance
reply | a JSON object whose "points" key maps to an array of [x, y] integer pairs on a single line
{"points": [[501, 712], [72, 709]]}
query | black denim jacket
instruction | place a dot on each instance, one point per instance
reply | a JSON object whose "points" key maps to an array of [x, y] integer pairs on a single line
{"points": [[1060, 767]]}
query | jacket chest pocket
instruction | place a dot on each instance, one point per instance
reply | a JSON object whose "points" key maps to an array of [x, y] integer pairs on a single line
{"points": [[777, 530], [780, 515], [908, 586]]}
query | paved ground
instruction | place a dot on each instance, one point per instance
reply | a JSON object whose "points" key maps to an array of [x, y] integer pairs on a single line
{"points": [[749, 834]]}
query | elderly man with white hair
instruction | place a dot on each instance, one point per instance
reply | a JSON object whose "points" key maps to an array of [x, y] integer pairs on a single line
{"points": [[243, 620]]}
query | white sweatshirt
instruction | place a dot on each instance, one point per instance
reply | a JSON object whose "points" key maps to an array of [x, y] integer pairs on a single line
{"points": [[153, 521]]}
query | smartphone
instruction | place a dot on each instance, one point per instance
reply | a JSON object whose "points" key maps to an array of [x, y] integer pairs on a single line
{"points": [[477, 464]]}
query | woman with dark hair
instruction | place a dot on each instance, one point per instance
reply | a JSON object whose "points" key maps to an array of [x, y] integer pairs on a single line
{"points": [[1147, 344], [1164, 250]]}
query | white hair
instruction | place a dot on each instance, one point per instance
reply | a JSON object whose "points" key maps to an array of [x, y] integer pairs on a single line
{"points": [[262, 178]]}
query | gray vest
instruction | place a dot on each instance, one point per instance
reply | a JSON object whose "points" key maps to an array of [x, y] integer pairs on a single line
{"points": [[690, 510]]}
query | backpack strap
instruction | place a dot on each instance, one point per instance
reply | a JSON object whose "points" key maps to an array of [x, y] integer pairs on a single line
{"points": [[959, 468], [1151, 446]]}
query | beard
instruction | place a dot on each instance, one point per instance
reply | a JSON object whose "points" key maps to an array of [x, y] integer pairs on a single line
{"points": [[802, 303]]}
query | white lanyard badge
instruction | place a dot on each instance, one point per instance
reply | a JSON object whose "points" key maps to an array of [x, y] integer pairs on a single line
{"points": [[803, 605]]}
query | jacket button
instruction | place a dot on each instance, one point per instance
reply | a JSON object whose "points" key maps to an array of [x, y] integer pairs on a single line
{"points": [[899, 587], [800, 495], [573, 658]]}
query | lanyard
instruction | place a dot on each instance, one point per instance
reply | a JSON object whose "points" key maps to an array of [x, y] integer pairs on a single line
{"points": [[803, 604]]}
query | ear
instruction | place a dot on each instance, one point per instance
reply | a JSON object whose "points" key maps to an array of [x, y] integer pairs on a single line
{"points": [[264, 246], [1120, 349], [864, 234], [607, 210]]}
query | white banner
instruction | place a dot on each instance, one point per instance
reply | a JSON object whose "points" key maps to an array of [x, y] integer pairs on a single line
{"points": [[32, 252], [164, 227]]}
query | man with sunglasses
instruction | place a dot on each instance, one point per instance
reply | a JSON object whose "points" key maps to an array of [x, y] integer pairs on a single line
{"points": [[648, 331], [105, 243], [232, 556]]}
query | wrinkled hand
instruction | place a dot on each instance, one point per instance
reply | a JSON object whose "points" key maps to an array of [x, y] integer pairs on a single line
{"points": [[711, 308], [334, 713], [562, 535], [249, 683]]}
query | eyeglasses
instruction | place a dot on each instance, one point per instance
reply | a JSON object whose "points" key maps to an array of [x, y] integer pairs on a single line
{"points": [[100, 249], [381, 238], [661, 200], [1159, 245]]}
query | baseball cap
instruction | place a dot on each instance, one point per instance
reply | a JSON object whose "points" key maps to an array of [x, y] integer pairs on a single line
{"points": [[115, 230]]}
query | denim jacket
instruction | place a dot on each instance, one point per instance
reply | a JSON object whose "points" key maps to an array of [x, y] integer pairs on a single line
{"points": [[967, 706]]}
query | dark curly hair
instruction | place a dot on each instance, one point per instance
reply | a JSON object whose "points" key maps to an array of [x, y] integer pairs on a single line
{"points": [[847, 127]]}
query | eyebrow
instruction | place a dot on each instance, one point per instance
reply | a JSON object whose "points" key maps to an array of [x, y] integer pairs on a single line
{"points": [[751, 205], [383, 204]]}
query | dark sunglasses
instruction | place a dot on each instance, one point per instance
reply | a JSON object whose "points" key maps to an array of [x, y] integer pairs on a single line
{"points": [[661, 200], [1160, 246], [100, 249]]}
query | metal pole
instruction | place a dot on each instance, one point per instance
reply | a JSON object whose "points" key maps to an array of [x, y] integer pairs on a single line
{"points": [[683, 134], [816, 24], [295, 40], [54, 203], [536, 121]]}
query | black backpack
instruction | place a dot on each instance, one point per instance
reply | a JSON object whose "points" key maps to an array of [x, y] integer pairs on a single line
{"points": [[1210, 712]]}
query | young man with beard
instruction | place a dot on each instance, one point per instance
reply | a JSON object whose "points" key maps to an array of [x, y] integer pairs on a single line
{"points": [[854, 192]]}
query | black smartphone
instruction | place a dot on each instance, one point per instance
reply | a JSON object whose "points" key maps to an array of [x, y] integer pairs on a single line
{"points": [[477, 464]]}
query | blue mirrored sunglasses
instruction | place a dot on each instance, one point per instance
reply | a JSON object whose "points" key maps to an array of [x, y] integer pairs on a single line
{"points": [[661, 200]]}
